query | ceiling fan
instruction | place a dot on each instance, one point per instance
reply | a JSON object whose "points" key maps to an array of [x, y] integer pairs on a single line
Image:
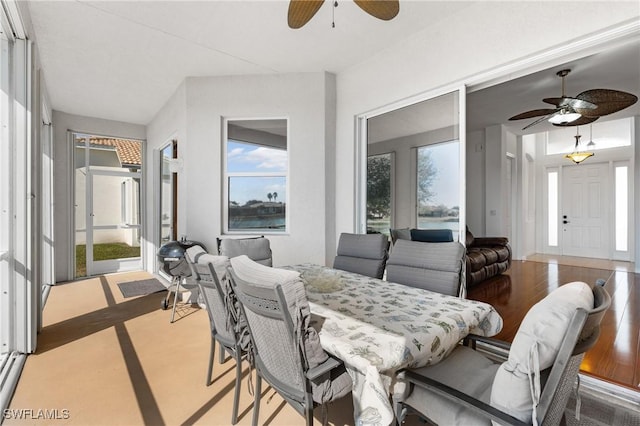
{"points": [[301, 11], [585, 108]]}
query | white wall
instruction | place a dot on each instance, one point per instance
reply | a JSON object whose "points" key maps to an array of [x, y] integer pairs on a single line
{"points": [[306, 99], [476, 205], [479, 38], [63, 172]]}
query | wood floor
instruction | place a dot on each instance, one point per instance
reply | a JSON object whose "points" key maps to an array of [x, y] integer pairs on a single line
{"points": [[616, 356]]}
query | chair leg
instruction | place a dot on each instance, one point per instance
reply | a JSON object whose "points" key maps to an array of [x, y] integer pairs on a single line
{"points": [[210, 369], [236, 392], [222, 358], [256, 399], [309, 414]]}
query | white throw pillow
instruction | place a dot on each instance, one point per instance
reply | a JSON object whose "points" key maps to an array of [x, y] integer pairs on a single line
{"points": [[516, 387]]}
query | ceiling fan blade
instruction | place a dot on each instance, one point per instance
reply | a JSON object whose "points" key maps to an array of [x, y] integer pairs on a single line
{"points": [[570, 102], [608, 101], [533, 113], [381, 9], [579, 122], [301, 11], [541, 119]]}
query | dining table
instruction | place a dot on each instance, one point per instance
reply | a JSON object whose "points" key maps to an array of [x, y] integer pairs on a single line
{"points": [[378, 327]]}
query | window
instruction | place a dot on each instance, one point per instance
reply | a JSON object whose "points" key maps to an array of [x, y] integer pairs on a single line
{"points": [[552, 218], [379, 189], [438, 186], [256, 176], [622, 208], [168, 192], [596, 136]]}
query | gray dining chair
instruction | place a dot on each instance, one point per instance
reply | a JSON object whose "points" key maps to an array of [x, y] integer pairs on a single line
{"points": [[286, 350], [432, 266], [364, 254], [535, 381], [257, 249], [224, 319]]}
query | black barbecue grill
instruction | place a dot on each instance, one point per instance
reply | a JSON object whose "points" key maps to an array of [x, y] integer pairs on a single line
{"points": [[172, 257]]}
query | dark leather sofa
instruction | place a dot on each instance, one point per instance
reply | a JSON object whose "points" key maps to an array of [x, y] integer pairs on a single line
{"points": [[486, 257]]}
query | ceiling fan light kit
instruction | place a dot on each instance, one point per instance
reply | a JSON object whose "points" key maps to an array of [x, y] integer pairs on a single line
{"points": [[583, 109], [578, 156], [564, 117]]}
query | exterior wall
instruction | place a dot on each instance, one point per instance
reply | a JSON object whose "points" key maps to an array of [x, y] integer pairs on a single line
{"points": [[63, 176], [305, 100], [471, 42]]}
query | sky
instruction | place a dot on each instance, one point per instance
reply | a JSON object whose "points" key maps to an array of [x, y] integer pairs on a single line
{"points": [[264, 164], [446, 185]]}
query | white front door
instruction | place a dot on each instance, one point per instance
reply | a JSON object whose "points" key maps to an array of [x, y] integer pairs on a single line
{"points": [[585, 210]]}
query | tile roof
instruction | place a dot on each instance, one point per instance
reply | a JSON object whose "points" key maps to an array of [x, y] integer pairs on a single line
{"points": [[129, 151]]}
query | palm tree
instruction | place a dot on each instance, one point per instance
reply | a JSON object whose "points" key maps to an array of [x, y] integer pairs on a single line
{"points": [[269, 196], [275, 196]]}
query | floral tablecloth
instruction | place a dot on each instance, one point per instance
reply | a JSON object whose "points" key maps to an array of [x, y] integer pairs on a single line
{"points": [[377, 327]]}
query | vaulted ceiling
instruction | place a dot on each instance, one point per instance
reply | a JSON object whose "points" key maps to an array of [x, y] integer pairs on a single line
{"points": [[123, 60]]}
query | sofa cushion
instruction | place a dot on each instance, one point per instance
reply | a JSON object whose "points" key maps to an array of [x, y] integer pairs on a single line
{"points": [[502, 253], [490, 255], [432, 235], [477, 261]]}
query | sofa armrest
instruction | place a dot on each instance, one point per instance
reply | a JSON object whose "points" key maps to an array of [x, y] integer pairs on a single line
{"points": [[489, 241]]}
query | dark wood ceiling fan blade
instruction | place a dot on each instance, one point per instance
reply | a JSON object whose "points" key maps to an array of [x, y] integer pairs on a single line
{"points": [[533, 113], [579, 122], [301, 11], [607, 101], [570, 102], [381, 9]]}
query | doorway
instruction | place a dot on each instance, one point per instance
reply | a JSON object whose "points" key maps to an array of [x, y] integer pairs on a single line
{"points": [[107, 204]]}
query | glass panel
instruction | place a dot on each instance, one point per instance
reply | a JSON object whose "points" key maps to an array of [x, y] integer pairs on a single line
{"points": [[256, 166], [379, 193], [622, 208], [80, 197], [6, 289], [122, 244], [552, 218], [255, 203], [438, 183], [112, 202], [430, 123], [166, 195], [247, 157]]}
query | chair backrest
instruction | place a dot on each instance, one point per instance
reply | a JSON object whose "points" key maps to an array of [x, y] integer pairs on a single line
{"points": [[257, 249], [431, 266], [364, 254], [222, 317], [276, 349], [582, 335], [545, 356]]}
